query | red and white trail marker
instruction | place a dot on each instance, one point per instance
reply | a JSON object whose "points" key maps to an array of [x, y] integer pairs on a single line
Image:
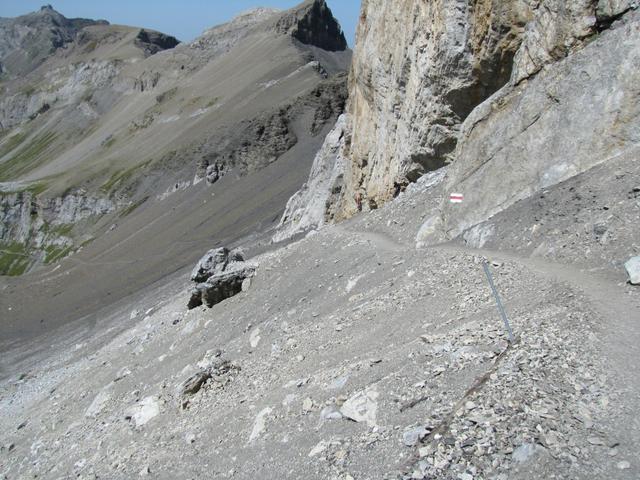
{"points": [[456, 198]]}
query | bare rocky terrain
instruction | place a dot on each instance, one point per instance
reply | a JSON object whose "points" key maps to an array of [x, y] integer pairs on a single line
{"points": [[154, 153], [351, 355], [371, 348]]}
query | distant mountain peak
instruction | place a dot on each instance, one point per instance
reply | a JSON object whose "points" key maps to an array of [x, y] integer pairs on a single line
{"points": [[313, 23]]}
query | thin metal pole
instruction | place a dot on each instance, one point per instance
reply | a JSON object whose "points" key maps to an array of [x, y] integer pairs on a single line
{"points": [[485, 265]]}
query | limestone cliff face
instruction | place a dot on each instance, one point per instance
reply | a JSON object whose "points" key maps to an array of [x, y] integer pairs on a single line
{"points": [[517, 94], [573, 115], [419, 68]]}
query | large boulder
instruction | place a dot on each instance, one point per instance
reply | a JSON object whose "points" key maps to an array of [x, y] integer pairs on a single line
{"points": [[633, 269], [214, 262], [218, 276]]}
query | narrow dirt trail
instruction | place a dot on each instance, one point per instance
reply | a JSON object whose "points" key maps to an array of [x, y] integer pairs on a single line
{"points": [[619, 340]]}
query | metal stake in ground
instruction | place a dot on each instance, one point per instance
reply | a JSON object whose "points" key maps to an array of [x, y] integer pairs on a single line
{"points": [[485, 265]]}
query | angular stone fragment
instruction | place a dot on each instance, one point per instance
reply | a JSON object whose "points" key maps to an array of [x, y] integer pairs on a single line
{"points": [[633, 270]]}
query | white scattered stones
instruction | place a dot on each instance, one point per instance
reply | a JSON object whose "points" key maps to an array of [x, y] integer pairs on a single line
{"points": [[524, 452], [318, 449], [99, 402], [623, 465], [145, 410], [330, 412], [260, 424], [351, 284], [254, 338], [307, 405], [633, 270], [362, 407], [122, 373]]}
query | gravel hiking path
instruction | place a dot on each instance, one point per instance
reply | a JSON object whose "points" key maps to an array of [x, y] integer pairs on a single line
{"points": [[618, 306]]}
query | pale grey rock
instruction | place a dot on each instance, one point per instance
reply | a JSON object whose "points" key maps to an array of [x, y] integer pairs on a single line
{"points": [[362, 407], [212, 263], [144, 411], [218, 275], [260, 424], [520, 141], [306, 209], [623, 465], [524, 453], [99, 402], [633, 270], [418, 70], [412, 436], [610, 9], [330, 412]]}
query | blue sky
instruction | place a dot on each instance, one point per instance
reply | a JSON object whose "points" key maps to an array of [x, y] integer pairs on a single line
{"points": [[184, 19]]}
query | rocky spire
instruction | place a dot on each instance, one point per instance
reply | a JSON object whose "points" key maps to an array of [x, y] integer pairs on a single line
{"points": [[313, 23]]}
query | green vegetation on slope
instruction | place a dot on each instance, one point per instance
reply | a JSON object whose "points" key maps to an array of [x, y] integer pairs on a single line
{"points": [[26, 158], [54, 253], [11, 143], [14, 259]]}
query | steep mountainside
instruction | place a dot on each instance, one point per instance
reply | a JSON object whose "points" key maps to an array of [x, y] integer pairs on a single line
{"points": [[370, 348], [487, 86], [122, 142]]}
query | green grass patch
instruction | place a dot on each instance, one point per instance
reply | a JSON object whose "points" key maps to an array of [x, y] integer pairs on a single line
{"points": [[62, 230], [14, 259], [119, 178], [91, 46], [128, 210], [11, 143], [27, 157], [53, 253], [212, 102], [28, 90]]}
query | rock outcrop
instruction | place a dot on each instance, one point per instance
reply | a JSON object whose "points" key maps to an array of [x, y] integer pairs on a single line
{"points": [[571, 116], [633, 270], [307, 209], [219, 275], [419, 69], [479, 85], [27, 41], [312, 23], [36, 231], [154, 42]]}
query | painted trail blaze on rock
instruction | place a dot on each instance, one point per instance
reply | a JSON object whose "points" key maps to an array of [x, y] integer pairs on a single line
{"points": [[456, 198]]}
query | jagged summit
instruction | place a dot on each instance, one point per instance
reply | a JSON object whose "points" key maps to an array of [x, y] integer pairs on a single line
{"points": [[313, 23], [27, 41]]}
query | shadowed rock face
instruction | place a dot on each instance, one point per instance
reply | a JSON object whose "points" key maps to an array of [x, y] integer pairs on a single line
{"points": [[219, 275], [156, 41], [313, 24]]}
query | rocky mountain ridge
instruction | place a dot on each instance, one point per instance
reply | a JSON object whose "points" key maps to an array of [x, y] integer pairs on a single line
{"points": [[130, 115], [371, 348], [27, 41]]}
